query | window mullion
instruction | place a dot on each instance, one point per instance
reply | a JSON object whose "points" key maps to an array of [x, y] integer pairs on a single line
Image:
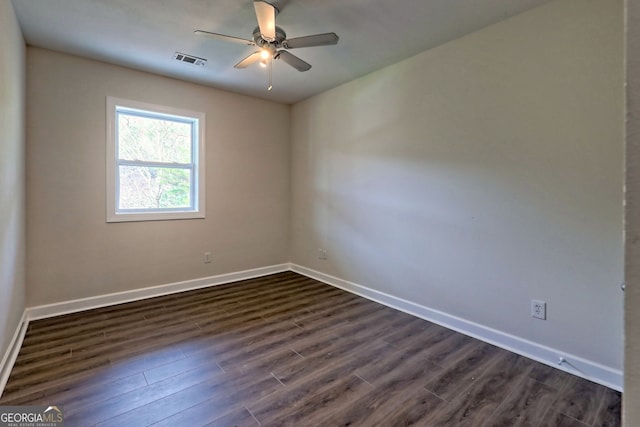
{"points": [[145, 163]]}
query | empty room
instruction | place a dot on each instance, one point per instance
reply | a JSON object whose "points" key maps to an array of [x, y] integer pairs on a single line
{"points": [[293, 212]]}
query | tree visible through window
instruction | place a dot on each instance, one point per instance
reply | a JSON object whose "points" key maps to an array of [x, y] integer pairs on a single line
{"points": [[144, 144], [156, 162]]}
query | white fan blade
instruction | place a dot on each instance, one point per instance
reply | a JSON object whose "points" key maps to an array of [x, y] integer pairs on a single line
{"points": [[311, 41], [254, 57], [266, 15], [293, 60], [225, 37]]}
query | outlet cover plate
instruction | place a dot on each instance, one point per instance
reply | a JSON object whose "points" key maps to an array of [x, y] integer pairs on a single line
{"points": [[539, 309]]}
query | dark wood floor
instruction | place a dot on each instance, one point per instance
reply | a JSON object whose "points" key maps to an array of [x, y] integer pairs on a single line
{"points": [[286, 350]]}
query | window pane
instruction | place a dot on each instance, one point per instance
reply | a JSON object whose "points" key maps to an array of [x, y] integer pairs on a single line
{"points": [[153, 140], [154, 188]]}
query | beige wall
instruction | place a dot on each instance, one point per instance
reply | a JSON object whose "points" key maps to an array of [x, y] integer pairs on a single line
{"points": [[12, 245], [479, 175], [631, 408], [74, 253]]}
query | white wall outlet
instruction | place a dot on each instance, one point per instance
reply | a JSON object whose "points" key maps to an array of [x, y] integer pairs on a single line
{"points": [[207, 257], [539, 309], [322, 253]]}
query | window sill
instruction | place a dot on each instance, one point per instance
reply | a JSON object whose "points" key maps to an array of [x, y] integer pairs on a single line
{"points": [[145, 216]]}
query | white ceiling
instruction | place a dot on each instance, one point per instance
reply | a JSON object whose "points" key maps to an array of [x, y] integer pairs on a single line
{"points": [[145, 34]]}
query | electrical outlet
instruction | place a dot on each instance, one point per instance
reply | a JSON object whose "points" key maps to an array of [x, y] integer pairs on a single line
{"points": [[539, 309], [322, 253], [207, 258]]}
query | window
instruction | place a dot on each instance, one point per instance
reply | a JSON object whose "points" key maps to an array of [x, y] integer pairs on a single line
{"points": [[154, 170]]}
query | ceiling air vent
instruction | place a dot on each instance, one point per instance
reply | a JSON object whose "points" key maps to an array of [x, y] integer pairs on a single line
{"points": [[183, 57]]}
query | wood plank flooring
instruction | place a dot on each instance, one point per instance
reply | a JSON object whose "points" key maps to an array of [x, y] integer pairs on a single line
{"points": [[286, 350]]}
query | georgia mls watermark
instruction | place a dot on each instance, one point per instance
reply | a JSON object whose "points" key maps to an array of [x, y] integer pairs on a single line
{"points": [[31, 416]]}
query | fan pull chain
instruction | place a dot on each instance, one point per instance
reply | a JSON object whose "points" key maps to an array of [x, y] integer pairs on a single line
{"points": [[270, 73]]}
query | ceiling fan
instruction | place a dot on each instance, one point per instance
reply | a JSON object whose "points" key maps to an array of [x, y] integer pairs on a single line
{"points": [[272, 41]]}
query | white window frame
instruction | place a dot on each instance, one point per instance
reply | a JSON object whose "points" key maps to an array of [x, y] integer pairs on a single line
{"points": [[197, 210]]}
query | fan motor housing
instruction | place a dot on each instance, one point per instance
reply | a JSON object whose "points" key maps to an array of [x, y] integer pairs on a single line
{"points": [[281, 36]]}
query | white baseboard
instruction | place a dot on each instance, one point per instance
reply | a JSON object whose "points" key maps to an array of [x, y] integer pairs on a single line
{"points": [[73, 306], [9, 358], [576, 365]]}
